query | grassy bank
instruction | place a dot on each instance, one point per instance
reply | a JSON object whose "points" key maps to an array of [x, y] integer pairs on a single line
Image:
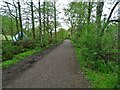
{"points": [[101, 78], [17, 58], [21, 56]]}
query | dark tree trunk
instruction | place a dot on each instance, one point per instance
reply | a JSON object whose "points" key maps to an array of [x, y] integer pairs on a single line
{"points": [[40, 24], [99, 14], [55, 20], [21, 28], [32, 14], [16, 18], [44, 24], [89, 11], [48, 25], [51, 35]]}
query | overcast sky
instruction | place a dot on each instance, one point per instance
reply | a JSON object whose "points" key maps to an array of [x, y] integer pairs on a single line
{"points": [[61, 4]]}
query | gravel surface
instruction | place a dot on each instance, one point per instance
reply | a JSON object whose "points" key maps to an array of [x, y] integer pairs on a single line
{"points": [[57, 69]]}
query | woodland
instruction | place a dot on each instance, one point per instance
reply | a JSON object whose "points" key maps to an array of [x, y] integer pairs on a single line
{"points": [[94, 35]]}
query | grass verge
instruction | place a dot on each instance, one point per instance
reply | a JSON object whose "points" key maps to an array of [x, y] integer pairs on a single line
{"points": [[19, 57], [97, 79]]}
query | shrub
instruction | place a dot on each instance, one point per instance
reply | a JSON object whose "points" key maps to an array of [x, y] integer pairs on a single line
{"points": [[98, 56], [9, 49]]}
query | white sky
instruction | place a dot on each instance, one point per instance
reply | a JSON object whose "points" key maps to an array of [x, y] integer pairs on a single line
{"points": [[61, 4]]}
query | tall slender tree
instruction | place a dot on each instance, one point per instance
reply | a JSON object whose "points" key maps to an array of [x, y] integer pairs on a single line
{"points": [[40, 27], [55, 20], [16, 17], [98, 15], [33, 26], [89, 11], [44, 24], [20, 19]]}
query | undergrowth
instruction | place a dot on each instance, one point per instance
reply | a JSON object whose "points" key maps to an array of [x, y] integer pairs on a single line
{"points": [[19, 57], [99, 78], [98, 56]]}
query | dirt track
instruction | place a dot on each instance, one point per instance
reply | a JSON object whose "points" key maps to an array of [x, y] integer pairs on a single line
{"points": [[57, 69]]}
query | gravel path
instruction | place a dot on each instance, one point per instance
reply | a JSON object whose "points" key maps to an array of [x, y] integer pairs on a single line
{"points": [[57, 69]]}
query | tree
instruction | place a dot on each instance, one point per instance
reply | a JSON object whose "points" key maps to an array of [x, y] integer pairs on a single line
{"points": [[89, 11], [16, 17], [33, 26], [55, 20], [44, 25], [40, 26], [7, 25], [98, 16], [11, 18], [108, 20], [20, 19], [77, 16]]}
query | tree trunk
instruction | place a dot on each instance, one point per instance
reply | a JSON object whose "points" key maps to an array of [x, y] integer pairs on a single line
{"points": [[21, 28], [89, 11], [16, 18], [48, 24], [33, 27], [51, 35], [98, 16], [44, 24], [98, 29], [40, 28], [55, 20]]}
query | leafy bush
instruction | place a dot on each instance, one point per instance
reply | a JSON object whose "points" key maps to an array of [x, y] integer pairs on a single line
{"points": [[19, 57], [98, 56], [26, 43], [9, 49]]}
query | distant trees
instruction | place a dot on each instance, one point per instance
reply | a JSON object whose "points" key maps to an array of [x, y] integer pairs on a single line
{"points": [[77, 14], [32, 19], [62, 34]]}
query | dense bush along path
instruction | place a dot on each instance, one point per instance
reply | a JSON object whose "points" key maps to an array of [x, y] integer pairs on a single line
{"points": [[57, 69]]}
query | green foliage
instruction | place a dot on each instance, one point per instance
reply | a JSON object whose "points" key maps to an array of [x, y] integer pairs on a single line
{"points": [[9, 49], [19, 57], [109, 43], [8, 24], [25, 43], [102, 80], [98, 78], [98, 55], [62, 34]]}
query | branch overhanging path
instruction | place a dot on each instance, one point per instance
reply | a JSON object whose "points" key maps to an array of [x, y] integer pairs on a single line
{"points": [[57, 69]]}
